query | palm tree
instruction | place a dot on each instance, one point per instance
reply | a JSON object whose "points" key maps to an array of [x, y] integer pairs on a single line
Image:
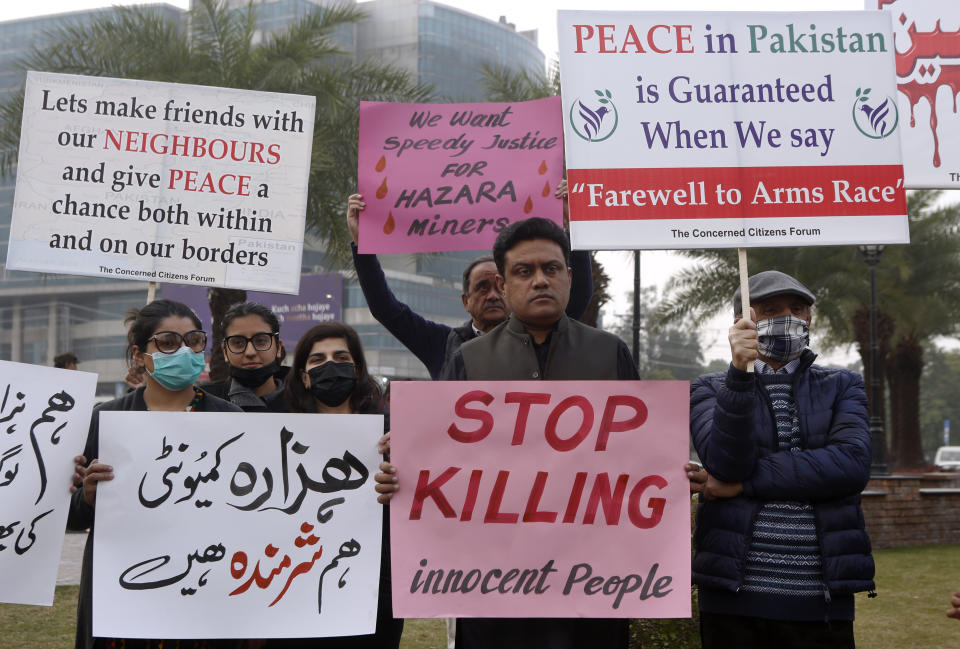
{"points": [[217, 48], [504, 84], [918, 285]]}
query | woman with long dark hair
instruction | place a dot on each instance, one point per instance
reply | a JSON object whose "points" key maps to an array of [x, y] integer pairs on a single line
{"points": [[166, 340], [330, 376]]}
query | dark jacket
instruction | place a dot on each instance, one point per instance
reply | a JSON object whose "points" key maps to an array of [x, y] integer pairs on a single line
{"points": [[242, 396], [734, 432], [576, 352], [434, 343], [81, 515]]}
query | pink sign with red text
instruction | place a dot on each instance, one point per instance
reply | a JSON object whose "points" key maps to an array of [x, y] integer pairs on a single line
{"points": [[439, 177], [541, 499]]}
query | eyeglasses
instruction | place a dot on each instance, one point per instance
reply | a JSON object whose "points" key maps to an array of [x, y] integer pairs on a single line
{"points": [[170, 341], [238, 344]]}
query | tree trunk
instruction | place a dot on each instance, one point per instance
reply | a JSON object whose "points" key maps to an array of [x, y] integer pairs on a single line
{"points": [[600, 295], [220, 300], [906, 368], [861, 332]]}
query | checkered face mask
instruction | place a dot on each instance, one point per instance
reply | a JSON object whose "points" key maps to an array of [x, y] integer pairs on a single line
{"points": [[783, 338]]}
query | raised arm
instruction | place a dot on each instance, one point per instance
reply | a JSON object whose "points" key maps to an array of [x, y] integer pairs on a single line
{"points": [[424, 338]]}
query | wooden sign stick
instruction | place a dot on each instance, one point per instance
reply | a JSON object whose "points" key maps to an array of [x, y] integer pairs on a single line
{"points": [[744, 290]]}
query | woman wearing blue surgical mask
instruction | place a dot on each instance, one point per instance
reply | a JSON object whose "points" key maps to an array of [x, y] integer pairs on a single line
{"points": [[166, 340], [329, 376]]}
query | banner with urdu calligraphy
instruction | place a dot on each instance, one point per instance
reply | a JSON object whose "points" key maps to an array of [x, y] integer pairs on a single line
{"points": [[927, 36], [229, 525], [44, 418]]}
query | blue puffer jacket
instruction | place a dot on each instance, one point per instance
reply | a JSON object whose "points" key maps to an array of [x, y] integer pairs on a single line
{"points": [[732, 423]]}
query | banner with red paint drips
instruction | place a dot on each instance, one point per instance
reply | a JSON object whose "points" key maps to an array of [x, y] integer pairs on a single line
{"points": [[440, 177], [927, 37], [540, 499]]}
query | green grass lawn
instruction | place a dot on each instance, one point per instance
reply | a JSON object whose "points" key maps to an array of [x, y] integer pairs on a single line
{"points": [[914, 586]]}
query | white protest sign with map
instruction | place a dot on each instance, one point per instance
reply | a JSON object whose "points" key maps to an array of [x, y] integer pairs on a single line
{"points": [[713, 130], [163, 182]]}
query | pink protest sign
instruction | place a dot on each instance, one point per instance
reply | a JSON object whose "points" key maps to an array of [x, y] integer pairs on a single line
{"points": [[541, 499], [438, 177]]}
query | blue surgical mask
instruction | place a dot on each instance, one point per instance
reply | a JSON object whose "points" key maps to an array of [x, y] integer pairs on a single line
{"points": [[178, 370]]}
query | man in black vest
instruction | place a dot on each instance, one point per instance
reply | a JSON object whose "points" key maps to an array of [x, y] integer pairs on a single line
{"points": [[434, 343], [539, 341]]}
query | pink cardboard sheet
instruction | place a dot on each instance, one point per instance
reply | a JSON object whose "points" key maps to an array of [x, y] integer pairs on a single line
{"points": [[541, 499], [441, 177]]}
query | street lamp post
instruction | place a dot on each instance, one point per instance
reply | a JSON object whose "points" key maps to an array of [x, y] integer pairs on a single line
{"points": [[878, 441]]}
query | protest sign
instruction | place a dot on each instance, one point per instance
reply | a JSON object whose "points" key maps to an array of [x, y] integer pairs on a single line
{"points": [[44, 419], [320, 300], [541, 499], [230, 525], [711, 130], [438, 177], [928, 68], [163, 182]]}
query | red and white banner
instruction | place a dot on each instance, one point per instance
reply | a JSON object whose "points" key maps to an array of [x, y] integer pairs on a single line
{"points": [[927, 37], [697, 130]]}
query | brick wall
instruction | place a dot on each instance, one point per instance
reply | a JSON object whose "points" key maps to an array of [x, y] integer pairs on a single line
{"points": [[913, 510]]}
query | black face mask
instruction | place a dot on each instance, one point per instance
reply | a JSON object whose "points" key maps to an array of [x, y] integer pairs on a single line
{"points": [[333, 383], [253, 378]]}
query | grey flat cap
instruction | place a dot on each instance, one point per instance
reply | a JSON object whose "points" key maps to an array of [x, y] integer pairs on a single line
{"points": [[770, 283]]}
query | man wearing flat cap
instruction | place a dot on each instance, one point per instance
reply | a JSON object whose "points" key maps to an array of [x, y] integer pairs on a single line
{"points": [[780, 541]]}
